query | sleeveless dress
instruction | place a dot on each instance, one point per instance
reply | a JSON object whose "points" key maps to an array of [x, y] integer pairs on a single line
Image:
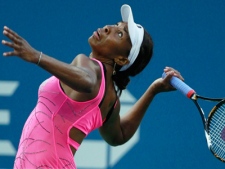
{"points": [[45, 141]]}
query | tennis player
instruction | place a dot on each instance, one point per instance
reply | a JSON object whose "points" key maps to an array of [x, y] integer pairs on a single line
{"points": [[84, 95]]}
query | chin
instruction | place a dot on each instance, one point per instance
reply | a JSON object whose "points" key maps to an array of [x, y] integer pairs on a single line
{"points": [[90, 40]]}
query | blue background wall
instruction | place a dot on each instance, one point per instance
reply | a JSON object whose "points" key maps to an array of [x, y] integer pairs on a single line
{"points": [[189, 35]]}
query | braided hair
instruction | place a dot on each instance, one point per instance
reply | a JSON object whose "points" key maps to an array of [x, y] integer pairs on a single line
{"points": [[122, 78]]}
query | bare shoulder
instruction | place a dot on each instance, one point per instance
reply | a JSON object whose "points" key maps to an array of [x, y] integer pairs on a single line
{"points": [[84, 61], [79, 59], [88, 65]]}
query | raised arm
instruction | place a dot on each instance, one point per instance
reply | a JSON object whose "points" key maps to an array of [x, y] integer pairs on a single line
{"points": [[118, 130], [80, 75]]}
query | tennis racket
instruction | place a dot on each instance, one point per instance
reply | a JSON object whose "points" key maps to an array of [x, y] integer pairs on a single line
{"points": [[214, 125]]}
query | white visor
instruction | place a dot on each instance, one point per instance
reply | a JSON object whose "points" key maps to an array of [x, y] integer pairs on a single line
{"points": [[136, 33]]}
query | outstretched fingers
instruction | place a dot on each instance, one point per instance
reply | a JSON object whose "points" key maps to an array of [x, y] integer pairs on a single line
{"points": [[9, 32], [19, 46], [15, 41], [12, 37], [12, 53], [10, 44]]}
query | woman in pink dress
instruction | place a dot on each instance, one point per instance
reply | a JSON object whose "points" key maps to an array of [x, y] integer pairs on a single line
{"points": [[84, 95]]}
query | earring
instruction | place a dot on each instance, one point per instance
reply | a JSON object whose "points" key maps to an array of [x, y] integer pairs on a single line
{"points": [[114, 69]]}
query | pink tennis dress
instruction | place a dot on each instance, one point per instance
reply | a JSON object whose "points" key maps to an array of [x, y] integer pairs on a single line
{"points": [[45, 141]]}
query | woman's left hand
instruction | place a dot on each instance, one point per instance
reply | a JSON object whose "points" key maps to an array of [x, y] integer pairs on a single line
{"points": [[20, 46], [163, 84]]}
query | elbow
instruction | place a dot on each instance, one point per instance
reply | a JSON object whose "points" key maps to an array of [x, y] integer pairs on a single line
{"points": [[115, 142]]}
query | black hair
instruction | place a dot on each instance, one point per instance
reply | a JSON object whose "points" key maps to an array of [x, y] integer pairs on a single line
{"points": [[121, 78]]}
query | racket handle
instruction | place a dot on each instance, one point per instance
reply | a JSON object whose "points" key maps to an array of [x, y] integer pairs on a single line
{"points": [[180, 86]]}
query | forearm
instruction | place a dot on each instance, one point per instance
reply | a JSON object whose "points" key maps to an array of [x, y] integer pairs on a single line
{"points": [[118, 130], [76, 77], [73, 76], [131, 121]]}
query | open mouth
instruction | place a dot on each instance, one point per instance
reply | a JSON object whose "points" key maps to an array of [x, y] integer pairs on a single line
{"points": [[96, 34]]}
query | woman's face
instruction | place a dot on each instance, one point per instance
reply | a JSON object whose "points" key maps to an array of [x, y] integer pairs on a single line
{"points": [[111, 41]]}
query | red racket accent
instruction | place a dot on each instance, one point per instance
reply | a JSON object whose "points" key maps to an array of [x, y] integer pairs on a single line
{"points": [[190, 93]]}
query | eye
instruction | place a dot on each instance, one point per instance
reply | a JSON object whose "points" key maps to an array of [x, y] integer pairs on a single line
{"points": [[120, 34]]}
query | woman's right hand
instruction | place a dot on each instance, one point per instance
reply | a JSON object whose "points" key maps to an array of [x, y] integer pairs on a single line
{"points": [[20, 46]]}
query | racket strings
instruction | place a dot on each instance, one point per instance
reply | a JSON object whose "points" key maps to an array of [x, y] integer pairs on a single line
{"points": [[217, 123], [217, 132]]}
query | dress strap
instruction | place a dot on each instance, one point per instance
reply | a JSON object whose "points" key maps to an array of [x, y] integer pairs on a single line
{"points": [[73, 143], [110, 111]]}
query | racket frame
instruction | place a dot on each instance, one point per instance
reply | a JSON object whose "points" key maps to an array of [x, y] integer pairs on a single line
{"points": [[206, 121], [191, 94]]}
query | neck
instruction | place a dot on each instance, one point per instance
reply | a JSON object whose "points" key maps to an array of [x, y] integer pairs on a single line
{"points": [[107, 62], [111, 68]]}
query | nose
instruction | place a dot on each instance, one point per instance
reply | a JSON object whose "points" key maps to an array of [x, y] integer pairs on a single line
{"points": [[106, 29]]}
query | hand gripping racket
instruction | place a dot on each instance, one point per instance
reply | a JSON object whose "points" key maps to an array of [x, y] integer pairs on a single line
{"points": [[214, 125]]}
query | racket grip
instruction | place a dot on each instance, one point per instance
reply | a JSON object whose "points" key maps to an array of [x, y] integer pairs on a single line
{"points": [[180, 86]]}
